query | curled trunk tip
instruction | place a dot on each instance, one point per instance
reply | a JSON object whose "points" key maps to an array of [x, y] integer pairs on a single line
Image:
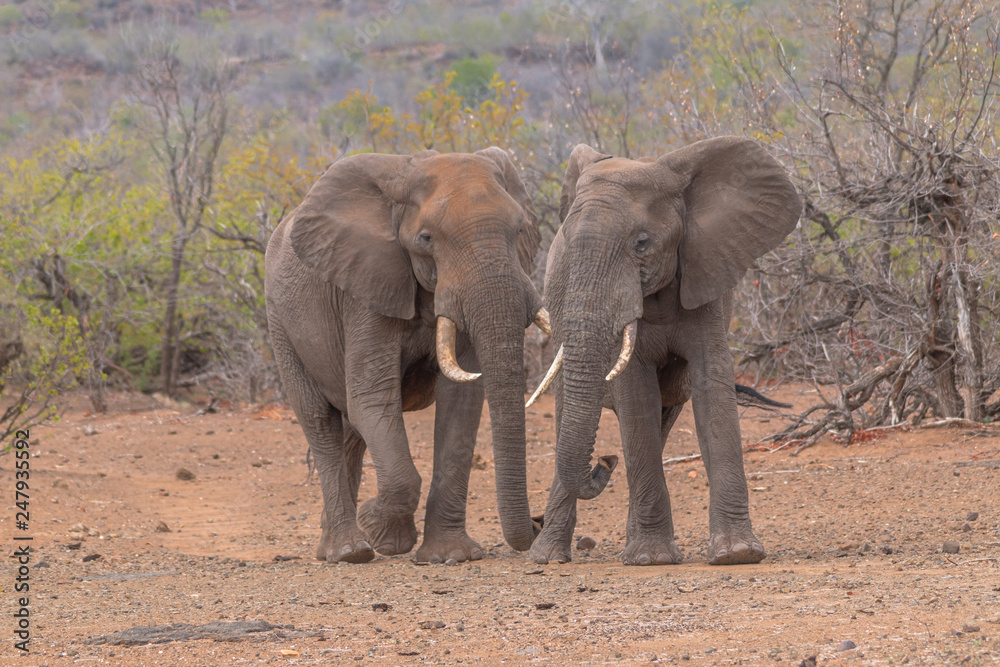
{"points": [[599, 477]]}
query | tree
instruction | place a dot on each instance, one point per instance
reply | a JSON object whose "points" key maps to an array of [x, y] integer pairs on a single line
{"points": [[188, 117], [886, 114], [600, 18]]}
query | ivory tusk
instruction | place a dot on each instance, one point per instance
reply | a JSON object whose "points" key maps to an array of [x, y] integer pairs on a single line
{"points": [[549, 377], [628, 345], [543, 322], [446, 334]]}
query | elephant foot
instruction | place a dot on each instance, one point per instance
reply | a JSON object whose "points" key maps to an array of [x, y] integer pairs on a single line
{"points": [[550, 547], [735, 548], [456, 546], [389, 534], [348, 547], [652, 549]]}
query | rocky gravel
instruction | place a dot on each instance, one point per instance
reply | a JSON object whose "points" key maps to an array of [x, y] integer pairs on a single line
{"points": [[166, 537]]}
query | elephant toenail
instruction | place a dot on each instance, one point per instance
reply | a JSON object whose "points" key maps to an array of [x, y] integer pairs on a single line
{"points": [[644, 559]]}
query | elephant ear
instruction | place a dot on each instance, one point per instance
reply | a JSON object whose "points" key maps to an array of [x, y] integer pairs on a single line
{"points": [[739, 204], [346, 230], [582, 156], [529, 236]]}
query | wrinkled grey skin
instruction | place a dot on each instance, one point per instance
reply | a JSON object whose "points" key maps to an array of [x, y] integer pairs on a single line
{"points": [[355, 277], [663, 242]]}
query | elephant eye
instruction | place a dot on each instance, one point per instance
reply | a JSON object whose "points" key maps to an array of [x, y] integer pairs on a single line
{"points": [[642, 243], [424, 238]]}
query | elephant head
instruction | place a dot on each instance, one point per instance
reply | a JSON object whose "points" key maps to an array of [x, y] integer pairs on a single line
{"points": [[382, 228], [687, 225]]}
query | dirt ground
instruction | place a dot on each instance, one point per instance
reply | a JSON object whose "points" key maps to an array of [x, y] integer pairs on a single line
{"points": [[222, 563]]}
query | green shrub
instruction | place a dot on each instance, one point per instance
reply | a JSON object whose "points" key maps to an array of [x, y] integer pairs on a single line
{"points": [[9, 16], [472, 78]]}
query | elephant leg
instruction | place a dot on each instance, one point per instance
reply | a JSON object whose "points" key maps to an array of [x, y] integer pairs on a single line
{"points": [[354, 456], [375, 413], [643, 424], [458, 410], [342, 539], [731, 537], [554, 544], [322, 425]]}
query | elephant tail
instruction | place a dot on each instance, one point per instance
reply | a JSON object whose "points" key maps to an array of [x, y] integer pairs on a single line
{"points": [[748, 397]]}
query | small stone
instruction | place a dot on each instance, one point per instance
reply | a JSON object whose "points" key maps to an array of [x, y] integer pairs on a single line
{"points": [[431, 625], [451, 562], [845, 645], [90, 430], [184, 475], [91, 557], [381, 607], [969, 627], [808, 662], [544, 605], [59, 483], [967, 527], [73, 546], [162, 527], [951, 547], [972, 516], [586, 543]]}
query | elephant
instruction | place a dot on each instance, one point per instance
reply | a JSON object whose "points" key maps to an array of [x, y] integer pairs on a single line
{"points": [[639, 285], [398, 281]]}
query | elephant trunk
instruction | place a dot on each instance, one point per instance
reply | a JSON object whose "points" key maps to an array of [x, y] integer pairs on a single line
{"points": [[583, 389], [498, 338], [592, 336]]}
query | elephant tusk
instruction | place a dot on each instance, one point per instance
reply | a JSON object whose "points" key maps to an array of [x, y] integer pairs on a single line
{"points": [[628, 345], [549, 377], [446, 334], [543, 322]]}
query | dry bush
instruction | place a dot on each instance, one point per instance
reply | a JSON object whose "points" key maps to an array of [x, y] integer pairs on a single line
{"points": [[886, 296]]}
